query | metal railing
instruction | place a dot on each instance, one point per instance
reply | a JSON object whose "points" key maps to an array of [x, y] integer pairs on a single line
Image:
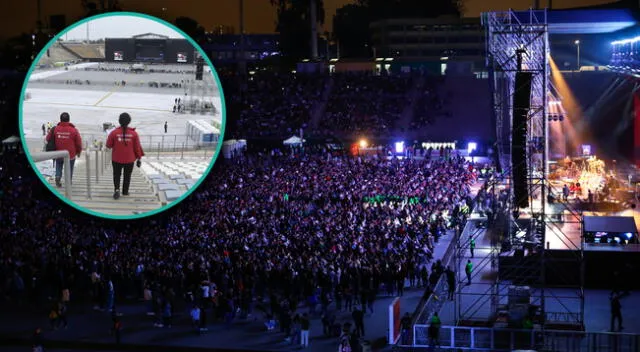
{"points": [[162, 142], [44, 156], [495, 339]]}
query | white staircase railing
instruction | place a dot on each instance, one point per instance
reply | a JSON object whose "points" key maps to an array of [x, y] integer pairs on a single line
{"points": [[58, 154]]}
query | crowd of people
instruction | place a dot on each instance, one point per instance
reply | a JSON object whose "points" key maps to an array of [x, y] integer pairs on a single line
{"points": [[269, 234], [430, 103], [129, 68], [366, 103], [278, 104]]}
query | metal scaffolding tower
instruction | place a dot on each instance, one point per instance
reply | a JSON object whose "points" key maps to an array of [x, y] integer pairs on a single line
{"points": [[199, 94], [517, 249]]}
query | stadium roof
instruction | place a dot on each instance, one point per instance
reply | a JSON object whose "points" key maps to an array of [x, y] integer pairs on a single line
{"points": [[150, 36], [590, 21], [605, 18]]}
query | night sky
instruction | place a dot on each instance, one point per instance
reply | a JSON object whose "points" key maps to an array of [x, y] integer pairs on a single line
{"points": [[17, 16]]}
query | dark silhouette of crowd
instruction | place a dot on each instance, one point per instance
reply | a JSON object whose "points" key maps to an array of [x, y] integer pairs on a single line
{"points": [[270, 105], [268, 234], [430, 103], [278, 104], [365, 103]]}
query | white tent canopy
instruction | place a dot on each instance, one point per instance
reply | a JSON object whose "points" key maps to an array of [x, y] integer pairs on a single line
{"points": [[11, 140], [293, 140]]}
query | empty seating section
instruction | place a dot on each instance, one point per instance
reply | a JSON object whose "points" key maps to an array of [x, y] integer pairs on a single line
{"points": [[87, 51], [173, 178], [57, 54]]}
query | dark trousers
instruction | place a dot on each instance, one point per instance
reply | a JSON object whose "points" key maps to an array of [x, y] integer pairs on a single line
{"points": [[117, 172], [616, 316], [63, 320], [360, 327]]}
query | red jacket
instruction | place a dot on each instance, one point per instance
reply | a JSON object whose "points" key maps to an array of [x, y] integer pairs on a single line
{"points": [[125, 150], [67, 138]]}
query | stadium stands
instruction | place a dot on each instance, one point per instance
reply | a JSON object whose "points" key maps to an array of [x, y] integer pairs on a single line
{"points": [[85, 51], [58, 54], [365, 103], [278, 104]]}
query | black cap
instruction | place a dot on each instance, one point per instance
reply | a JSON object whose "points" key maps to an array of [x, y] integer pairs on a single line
{"points": [[124, 119], [64, 117]]}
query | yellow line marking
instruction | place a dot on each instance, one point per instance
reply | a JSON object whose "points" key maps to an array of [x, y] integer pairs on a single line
{"points": [[106, 95]]}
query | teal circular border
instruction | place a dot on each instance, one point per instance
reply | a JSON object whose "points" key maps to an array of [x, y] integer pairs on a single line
{"points": [[213, 158]]}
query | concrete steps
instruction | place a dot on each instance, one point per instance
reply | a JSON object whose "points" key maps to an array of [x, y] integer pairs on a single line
{"points": [[142, 196]]}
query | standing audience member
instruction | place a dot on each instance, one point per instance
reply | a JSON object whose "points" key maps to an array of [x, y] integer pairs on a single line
{"points": [[616, 311], [126, 149], [305, 324], [66, 137]]}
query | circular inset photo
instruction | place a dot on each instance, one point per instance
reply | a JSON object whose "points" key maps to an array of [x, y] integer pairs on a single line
{"points": [[122, 115]]}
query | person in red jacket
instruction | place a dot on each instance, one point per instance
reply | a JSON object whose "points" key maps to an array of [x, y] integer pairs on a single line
{"points": [[126, 150], [67, 138]]}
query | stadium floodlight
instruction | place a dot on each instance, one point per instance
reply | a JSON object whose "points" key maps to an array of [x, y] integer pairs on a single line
{"points": [[399, 147], [363, 143], [472, 147]]}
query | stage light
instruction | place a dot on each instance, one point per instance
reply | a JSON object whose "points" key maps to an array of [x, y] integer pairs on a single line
{"points": [[363, 143], [399, 147], [577, 42], [628, 235], [472, 147]]}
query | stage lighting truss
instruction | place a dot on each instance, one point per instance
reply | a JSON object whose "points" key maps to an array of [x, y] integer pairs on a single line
{"points": [[508, 33], [519, 41], [555, 110]]}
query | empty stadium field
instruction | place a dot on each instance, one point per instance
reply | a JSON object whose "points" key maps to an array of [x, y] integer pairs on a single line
{"points": [[179, 144]]}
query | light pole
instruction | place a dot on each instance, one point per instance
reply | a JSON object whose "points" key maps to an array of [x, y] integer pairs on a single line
{"points": [[577, 43]]}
